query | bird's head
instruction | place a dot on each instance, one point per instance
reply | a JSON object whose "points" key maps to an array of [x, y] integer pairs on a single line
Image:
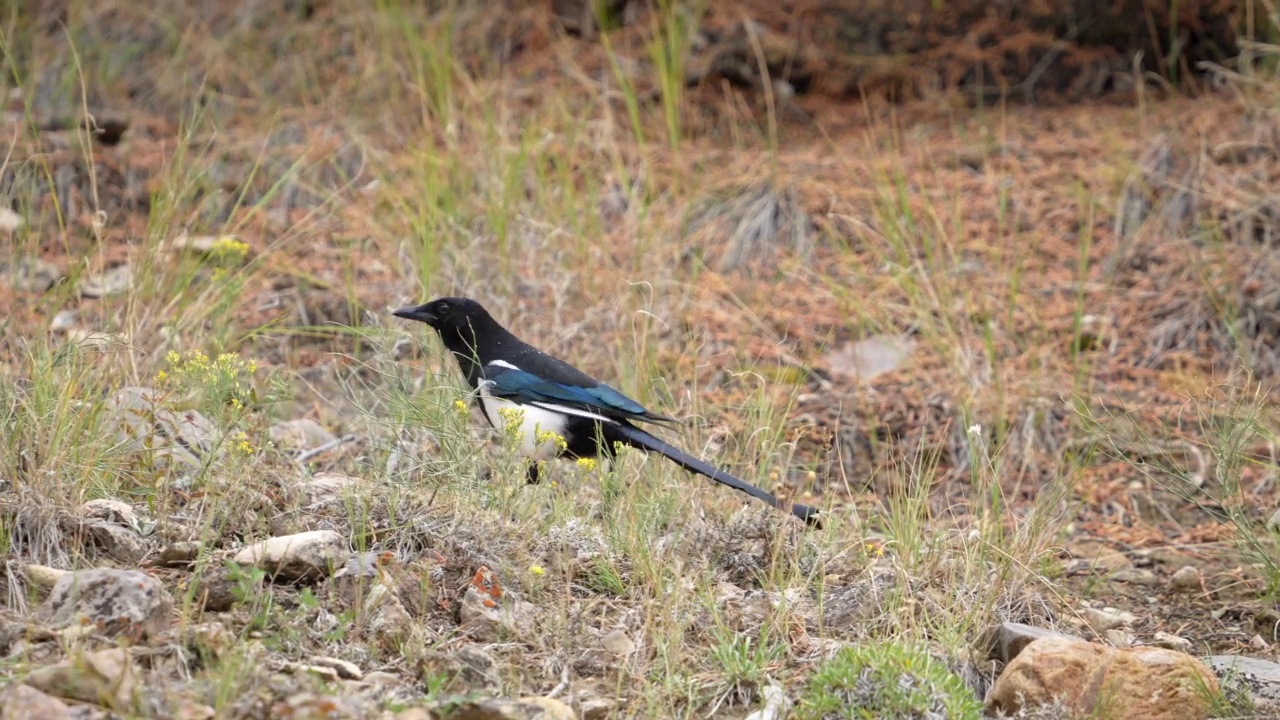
{"points": [[446, 314]]}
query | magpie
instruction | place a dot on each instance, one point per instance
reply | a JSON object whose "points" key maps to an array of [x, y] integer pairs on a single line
{"points": [[591, 417]]}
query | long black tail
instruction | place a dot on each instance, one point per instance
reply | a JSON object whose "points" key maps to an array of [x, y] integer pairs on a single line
{"points": [[636, 437]]}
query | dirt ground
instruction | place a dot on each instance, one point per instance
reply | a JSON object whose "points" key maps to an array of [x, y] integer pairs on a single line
{"points": [[1084, 277]]}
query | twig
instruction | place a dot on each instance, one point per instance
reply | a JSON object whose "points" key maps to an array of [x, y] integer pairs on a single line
{"points": [[564, 682], [306, 455]]}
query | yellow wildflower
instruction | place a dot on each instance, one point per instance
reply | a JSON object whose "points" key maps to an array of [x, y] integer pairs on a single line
{"points": [[545, 436], [537, 570], [587, 464]]}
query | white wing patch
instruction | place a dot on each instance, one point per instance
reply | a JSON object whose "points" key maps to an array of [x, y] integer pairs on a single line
{"points": [[504, 364], [578, 412]]}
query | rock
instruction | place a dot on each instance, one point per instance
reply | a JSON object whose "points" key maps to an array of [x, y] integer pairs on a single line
{"points": [[217, 590], [476, 666], [1136, 683], [486, 614], [1117, 637], [1171, 641], [1006, 640], [345, 670], [303, 556], [180, 554], [323, 672], [776, 704], [106, 678], [116, 602], [120, 513], [618, 643], [62, 321], [168, 437], [382, 678], [118, 542], [24, 701], [1261, 677], [1186, 579], [415, 713], [43, 576], [112, 281], [212, 638], [512, 619], [390, 620], [191, 710], [1109, 619], [529, 708], [30, 274], [1273, 522], [300, 434], [868, 358], [592, 706], [327, 488], [10, 221]]}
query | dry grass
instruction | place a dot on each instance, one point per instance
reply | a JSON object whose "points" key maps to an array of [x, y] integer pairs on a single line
{"points": [[1083, 288]]}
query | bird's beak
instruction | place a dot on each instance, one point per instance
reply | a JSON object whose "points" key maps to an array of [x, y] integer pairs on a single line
{"points": [[416, 312]]}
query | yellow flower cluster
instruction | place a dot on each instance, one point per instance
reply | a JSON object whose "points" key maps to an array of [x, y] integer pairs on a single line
{"points": [[545, 436], [195, 364], [227, 249], [512, 419]]}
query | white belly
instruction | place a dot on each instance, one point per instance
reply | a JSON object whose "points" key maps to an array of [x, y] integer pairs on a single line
{"points": [[534, 422]]}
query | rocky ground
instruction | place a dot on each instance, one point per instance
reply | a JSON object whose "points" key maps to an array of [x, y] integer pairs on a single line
{"points": [[995, 291]]}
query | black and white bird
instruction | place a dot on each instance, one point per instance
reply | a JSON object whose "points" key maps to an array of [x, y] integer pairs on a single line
{"points": [[555, 397]]}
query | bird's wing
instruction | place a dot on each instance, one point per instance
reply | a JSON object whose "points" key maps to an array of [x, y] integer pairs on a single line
{"points": [[599, 402]]}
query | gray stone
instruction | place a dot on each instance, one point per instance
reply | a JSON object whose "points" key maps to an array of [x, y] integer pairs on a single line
{"points": [[183, 439], [1262, 677], [106, 677], [112, 281], [180, 554], [117, 602], [1186, 579], [30, 274], [303, 556], [299, 434], [24, 701]]}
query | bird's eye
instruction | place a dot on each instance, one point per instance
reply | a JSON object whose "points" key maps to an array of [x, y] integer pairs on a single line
{"points": [[443, 307]]}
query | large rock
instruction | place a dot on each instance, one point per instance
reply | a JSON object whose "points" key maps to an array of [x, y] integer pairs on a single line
{"points": [[118, 602], [178, 440], [304, 556], [24, 701], [1261, 677], [300, 434], [1142, 683], [105, 678]]}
